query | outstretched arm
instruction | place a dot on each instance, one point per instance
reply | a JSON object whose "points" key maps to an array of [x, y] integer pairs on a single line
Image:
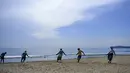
{"points": [[64, 53], [114, 52], [57, 53], [108, 53], [83, 52], [27, 55], [77, 53]]}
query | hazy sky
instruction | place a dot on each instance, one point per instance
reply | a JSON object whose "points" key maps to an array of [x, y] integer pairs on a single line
{"points": [[46, 25]]}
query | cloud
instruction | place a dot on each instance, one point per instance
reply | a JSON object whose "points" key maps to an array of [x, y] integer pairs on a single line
{"points": [[50, 15]]}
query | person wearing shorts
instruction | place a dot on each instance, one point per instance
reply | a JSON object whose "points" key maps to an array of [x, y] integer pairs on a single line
{"points": [[23, 58], [79, 54], [60, 54], [110, 55], [2, 56]]}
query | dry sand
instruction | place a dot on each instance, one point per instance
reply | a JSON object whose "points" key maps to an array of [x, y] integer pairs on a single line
{"points": [[121, 64]]}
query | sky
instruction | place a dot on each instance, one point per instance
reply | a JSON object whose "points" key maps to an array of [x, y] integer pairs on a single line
{"points": [[44, 26]]}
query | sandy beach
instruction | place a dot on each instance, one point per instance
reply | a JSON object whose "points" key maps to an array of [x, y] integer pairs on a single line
{"points": [[121, 64]]}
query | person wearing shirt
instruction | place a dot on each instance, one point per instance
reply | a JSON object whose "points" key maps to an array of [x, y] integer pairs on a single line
{"points": [[60, 54], [23, 58], [79, 54], [2, 56], [110, 55]]}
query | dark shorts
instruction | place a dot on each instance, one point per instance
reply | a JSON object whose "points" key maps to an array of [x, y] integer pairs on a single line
{"points": [[2, 58], [59, 57], [79, 57], [110, 57], [23, 58]]}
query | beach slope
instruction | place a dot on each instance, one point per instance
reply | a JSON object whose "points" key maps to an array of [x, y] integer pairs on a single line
{"points": [[121, 64]]}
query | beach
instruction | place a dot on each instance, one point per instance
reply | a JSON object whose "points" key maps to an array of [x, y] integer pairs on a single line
{"points": [[120, 64]]}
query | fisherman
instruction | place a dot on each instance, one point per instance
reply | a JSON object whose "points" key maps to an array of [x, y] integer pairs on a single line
{"points": [[79, 54], [2, 56], [23, 58], [60, 54], [110, 55]]}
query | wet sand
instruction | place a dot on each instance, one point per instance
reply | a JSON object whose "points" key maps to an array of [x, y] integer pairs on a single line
{"points": [[120, 64]]}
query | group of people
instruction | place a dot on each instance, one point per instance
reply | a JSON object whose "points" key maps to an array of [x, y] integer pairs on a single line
{"points": [[23, 56], [81, 53], [60, 54]]}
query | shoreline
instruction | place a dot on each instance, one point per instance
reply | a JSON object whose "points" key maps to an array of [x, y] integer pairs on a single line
{"points": [[67, 59], [120, 64]]}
